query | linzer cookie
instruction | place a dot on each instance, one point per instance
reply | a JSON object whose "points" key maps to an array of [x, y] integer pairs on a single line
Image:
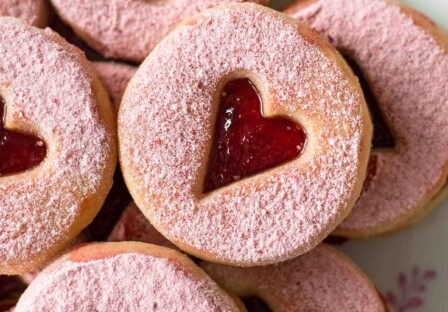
{"points": [[128, 29], [124, 277], [403, 59], [238, 156], [57, 145], [322, 280]]}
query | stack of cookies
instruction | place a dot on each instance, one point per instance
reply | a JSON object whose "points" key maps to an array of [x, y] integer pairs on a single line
{"points": [[203, 155]]}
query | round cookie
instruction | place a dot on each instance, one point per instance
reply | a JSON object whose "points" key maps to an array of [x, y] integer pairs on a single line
{"points": [[321, 280], [403, 57], [115, 77], [34, 12], [124, 277], [129, 29], [166, 123], [51, 92]]}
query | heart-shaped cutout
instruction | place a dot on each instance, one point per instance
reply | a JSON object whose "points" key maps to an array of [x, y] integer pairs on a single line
{"points": [[246, 142], [18, 151]]}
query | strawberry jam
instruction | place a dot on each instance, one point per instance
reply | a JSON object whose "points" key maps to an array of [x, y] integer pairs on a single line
{"points": [[18, 151], [246, 142], [371, 172]]}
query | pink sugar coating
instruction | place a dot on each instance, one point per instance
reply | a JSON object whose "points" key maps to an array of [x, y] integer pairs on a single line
{"points": [[129, 29], [27, 10], [48, 92], [114, 77], [408, 72], [125, 282], [164, 131], [133, 226], [321, 280]]}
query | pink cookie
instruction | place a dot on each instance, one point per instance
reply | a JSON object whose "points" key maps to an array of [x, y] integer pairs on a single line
{"points": [[320, 281], [50, 91], [166, 124], [403, 57], [129, 29], [34, 12], [124, 277], [115, 78]]}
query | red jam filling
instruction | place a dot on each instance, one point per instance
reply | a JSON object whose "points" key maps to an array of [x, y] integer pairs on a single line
{"points": [[245, 141], [18, 151], [371, 172]]}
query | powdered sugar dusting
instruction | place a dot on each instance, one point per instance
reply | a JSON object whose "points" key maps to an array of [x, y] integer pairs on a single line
{"points": [[48, 92], [115, 78], [321, 280], [408, 71], [129, 29], [126, 282], [28, 10], [165, 130]]}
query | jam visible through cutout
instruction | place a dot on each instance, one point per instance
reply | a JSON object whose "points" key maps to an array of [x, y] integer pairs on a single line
{"points": [[18, 151], [246, 142], [371, 172], [255, 304]]}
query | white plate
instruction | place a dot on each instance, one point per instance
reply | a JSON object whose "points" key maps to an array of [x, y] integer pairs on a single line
{"points": [[410, 268]]}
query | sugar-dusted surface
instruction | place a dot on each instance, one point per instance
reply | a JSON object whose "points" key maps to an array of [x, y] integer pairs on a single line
{"points": [[124, 282], [114, 77], [322, 280], [129, 29], [48, 92], [165, 126], [408, 74], [133, 226], [28, 10], [28, 277]]}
